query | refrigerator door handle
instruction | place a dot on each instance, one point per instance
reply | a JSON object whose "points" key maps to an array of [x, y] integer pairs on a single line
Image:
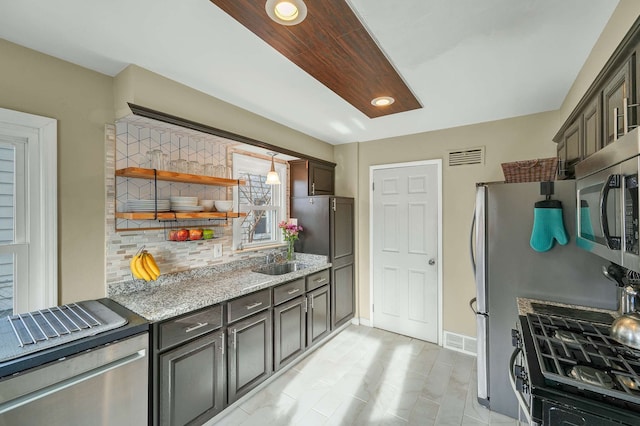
{"points": [[471, 303], [471, 241]]}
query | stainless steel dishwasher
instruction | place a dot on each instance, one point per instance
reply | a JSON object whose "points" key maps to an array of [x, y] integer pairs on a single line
{"points": [[96, 379]]}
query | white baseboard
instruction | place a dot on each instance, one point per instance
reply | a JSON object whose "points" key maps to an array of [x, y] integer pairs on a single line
{"points": [[460, 343], [361, 321]]}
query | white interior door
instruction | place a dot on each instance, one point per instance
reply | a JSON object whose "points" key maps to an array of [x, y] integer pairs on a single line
{"points": [[405, 249]]}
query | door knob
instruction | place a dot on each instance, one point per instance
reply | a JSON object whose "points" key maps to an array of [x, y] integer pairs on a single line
{"points": [[432, 261]]}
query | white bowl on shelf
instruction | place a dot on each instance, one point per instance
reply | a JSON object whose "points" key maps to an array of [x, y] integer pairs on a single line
{"points": [[207, 205], [224, 205]]}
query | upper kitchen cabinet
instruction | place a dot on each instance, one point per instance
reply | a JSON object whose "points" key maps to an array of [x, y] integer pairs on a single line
{"points": [[309, 177], [608, 109], [616, 96]]}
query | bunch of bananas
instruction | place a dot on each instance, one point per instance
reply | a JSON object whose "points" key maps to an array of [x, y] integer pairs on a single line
{"points": [[144, 267]]}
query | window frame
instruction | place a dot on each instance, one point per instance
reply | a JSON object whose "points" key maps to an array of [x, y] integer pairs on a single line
{"points": [[40, 136], [258, 165]]}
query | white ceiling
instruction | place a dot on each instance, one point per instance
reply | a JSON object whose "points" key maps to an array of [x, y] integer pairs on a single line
{"points": [[467, 61]]}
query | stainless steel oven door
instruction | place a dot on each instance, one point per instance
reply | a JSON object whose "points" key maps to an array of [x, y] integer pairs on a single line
{"points": [[600, 215]]}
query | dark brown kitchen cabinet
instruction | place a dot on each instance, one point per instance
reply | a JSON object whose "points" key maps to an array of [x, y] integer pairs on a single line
{"points": [[329, 230], [571, 146], [189, 368], [342, 294], [192, 381], [592, 127], [289, 330], [250, 353], [308, 178], [318, 317], [617, 90]]}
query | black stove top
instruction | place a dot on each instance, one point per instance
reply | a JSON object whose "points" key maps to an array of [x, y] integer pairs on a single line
{"points": [[581, 354]]}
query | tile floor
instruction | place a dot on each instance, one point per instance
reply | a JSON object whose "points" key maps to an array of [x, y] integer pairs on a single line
{"points": [[366, 376]]}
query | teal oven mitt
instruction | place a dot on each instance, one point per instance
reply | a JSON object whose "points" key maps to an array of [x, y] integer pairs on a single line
{"points": [[548, 225]]}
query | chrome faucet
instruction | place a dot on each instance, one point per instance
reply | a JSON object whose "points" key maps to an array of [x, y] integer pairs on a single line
{"points": [[271, 258]]}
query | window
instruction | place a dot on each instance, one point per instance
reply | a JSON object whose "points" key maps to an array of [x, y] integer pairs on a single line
{"points": [[28, 219], [265, 205]]}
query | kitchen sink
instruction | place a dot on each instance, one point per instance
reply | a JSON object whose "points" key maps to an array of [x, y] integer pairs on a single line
{"points": [[280, 268]]}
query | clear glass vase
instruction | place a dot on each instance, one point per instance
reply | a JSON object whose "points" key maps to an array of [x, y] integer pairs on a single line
{"points": [[290, 254]]}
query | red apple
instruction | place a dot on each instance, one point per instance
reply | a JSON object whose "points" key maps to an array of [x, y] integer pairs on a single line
{"points": [[173, 235], [195, 234], [182, 235]]}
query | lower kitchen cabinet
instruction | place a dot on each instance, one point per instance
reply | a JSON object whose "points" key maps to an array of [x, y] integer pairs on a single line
{"points": [[192, 382], [289, 331], [250, 354], [318, 317], [342, 294]]}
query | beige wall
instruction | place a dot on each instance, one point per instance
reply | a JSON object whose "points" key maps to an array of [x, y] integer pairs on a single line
{"points": [[82, 102], [506, 140], [144, 88]]}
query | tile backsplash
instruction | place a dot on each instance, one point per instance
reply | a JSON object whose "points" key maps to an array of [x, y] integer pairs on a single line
{"points": [[126, 144]]}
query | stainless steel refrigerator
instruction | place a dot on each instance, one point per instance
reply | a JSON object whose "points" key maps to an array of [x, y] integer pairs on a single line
{"points": [[507, 267]]}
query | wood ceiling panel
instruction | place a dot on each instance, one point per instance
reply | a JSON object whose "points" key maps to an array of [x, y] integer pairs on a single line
{"points": [[333, 46]]}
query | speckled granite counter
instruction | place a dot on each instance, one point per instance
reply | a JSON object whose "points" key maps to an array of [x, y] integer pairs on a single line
{"points": [[192, 290], [524, 306]]}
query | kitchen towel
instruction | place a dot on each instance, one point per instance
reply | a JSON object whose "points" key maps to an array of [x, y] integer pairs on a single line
{"points": [[548, 225]]}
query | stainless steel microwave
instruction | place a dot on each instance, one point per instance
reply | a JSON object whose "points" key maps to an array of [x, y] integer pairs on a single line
{"points": [[607, 196]]}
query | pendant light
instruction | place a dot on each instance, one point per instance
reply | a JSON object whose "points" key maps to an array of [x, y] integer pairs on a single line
{"points": [[272, 176]]}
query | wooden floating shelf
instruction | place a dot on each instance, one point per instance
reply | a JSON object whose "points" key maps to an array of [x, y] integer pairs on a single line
{"points": [[179, 216], [140, 173]]}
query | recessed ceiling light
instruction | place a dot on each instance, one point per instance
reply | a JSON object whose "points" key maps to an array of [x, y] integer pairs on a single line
{"points": [[286, 12], [382, 101]]}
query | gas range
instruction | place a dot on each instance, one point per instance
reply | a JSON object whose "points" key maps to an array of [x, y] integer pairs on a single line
{"points": [[575, 372]]}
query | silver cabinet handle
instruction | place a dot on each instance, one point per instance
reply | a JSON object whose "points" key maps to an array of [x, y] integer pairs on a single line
{"points": [[306, 303], [313, 188], [222, 345], [432, 261], [294, 291], [615, 124], [235, 338], [195, 327], [334, 204], [319, 280], [312, 301], [253, 305], [625, 115]]}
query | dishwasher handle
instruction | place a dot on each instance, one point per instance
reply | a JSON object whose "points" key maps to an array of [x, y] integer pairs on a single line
{"points": [[72, 381]]}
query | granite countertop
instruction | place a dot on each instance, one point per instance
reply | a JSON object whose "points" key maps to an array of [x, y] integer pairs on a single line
{"points": [[524, 306], [177, 297]]}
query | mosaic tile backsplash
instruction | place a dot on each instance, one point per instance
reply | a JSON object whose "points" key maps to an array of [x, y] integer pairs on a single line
{"points": [[126, 144]]}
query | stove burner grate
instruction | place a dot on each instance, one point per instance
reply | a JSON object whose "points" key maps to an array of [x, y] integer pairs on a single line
{"points": [[581, 354], [45, 324]]}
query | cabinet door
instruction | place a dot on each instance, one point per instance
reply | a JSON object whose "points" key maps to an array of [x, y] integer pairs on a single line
{"points": [[192, 381], [592, 128], [342, 230], [342, 301], [289, 330], [573, 143], [250, 354], [615, 90], [318, 318], [321, 178]]}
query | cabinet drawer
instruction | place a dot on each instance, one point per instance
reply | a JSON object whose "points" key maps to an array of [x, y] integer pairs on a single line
{"points": [[248, 305], [288, 291], [189, 326], [318, 279]]}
